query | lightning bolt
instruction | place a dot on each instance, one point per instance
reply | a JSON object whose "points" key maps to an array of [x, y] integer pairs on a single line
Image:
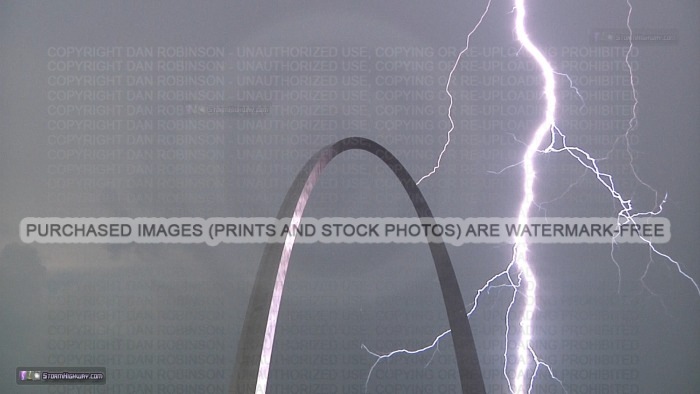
{"points": [[528, 283], [519, 275], [447, 90]]}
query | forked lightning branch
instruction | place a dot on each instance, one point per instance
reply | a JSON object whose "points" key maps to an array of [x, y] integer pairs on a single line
{"points": [[521, 362]]}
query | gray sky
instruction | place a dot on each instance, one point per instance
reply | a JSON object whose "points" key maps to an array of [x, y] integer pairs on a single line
{"points": [[341, 296]]}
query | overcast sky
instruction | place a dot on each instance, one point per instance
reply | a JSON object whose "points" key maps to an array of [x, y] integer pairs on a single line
{"points": [[590, 318]]}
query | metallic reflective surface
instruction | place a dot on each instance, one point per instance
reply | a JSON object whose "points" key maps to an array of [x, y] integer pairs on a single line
{"points": [[257, 337]]}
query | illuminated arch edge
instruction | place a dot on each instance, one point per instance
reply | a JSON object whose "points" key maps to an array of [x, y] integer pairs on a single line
{"points": [[258, 332]]}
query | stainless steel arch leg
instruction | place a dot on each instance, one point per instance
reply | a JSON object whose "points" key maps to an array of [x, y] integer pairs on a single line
{"points": [[257, 337]]}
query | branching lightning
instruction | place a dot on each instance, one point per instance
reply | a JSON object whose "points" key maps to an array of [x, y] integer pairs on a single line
{"points": [[447, 90], [520, 257], [519, 275]]}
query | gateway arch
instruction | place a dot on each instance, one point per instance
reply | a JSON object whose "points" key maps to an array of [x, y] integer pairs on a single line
{"points": [[257, 337]]}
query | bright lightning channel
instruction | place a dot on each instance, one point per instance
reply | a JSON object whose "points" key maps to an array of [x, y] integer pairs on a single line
{"points": [[525, 282], [520, 258]]}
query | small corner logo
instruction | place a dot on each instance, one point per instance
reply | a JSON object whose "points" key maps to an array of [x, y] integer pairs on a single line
{"points": [[29, 375]]}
